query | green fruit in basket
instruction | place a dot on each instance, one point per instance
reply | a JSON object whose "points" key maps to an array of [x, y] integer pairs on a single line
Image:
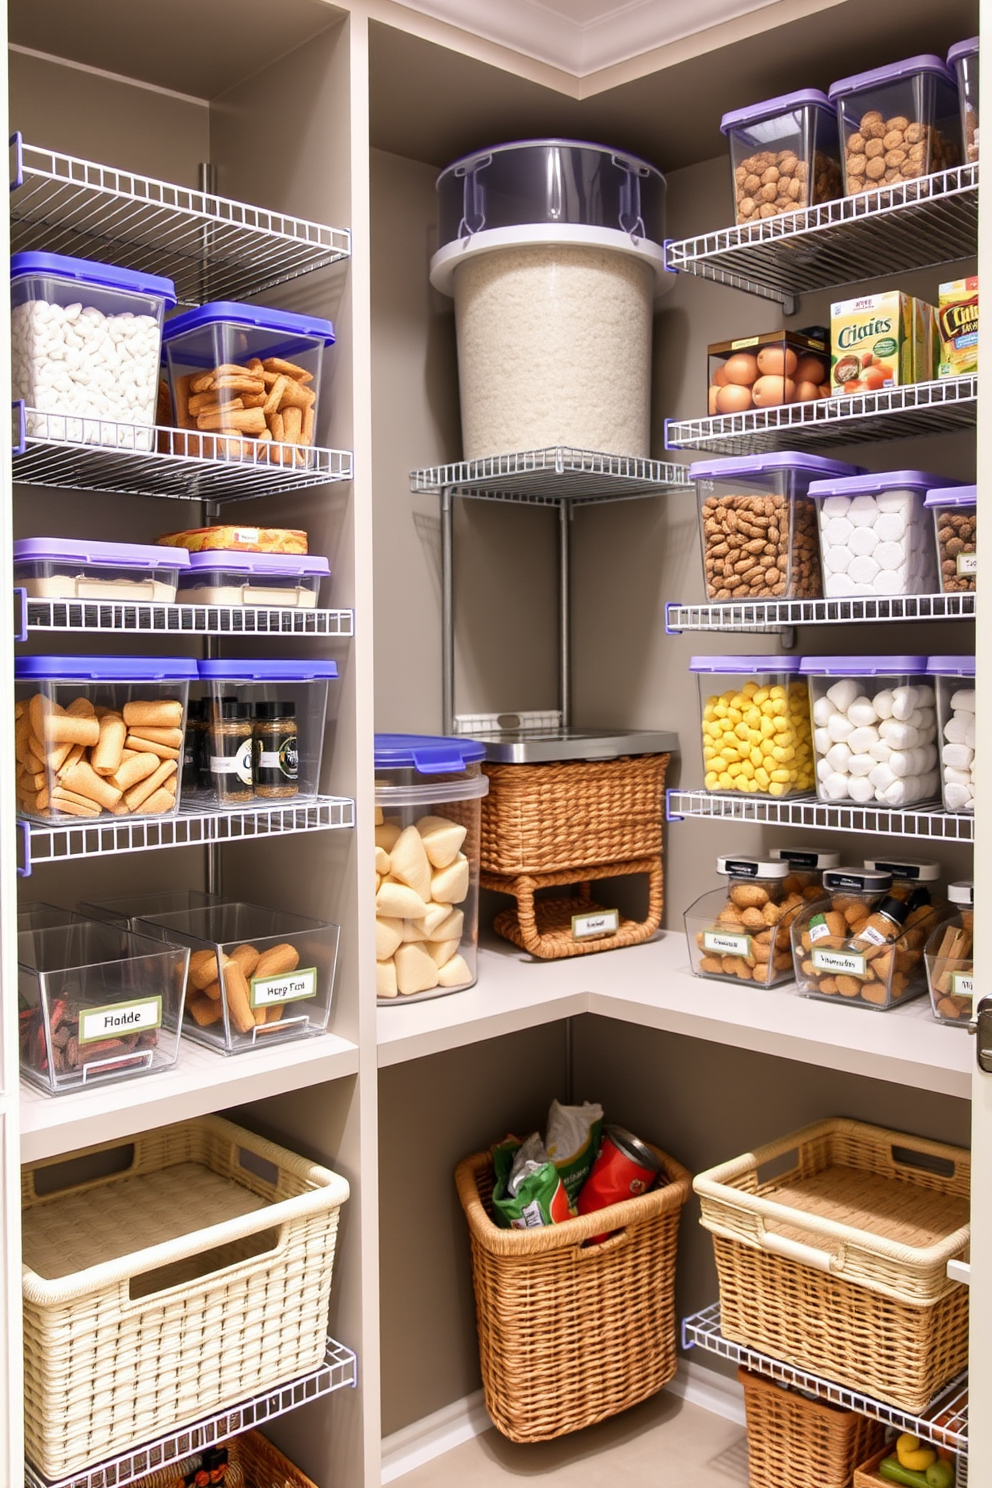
{"points": [[940, 1475], [892, 1470]]}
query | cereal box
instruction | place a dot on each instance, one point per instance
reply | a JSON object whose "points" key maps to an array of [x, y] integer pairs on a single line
{"points": [[873, 342], [958, 315]]}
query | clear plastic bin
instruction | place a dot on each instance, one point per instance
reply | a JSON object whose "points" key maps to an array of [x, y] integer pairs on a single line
{"points": [[262, 730], [874, 729], [963, 58], [247, 372], [96, 1004], [100, 736], [766, 371], [875, 536], [42, 916], [954, 678], [428, 794], [898, 122], [66, 568], [784, 154], [955, 521], [253, 579], [741, 933], [86, 342], [275, 979], [758, 528], [755, 721], [125, 913], [950, 959]]}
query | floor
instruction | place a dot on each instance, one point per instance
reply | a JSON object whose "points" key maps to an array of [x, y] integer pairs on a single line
{"points": [[631, 1450]]}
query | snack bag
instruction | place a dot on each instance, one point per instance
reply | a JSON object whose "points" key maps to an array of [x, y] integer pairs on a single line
{"points": [[572, 1142], [528, 1192]]}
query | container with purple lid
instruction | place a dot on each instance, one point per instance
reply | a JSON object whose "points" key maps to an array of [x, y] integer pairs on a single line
{"points": [[766, 696], [260, 579], [963, 60], [875, 536], [955, 521], [955, 677], [898, 123], [874, 729], [784, 155], [67, 568]]}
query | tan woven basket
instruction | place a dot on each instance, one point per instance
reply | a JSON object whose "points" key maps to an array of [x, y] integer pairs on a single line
{"points": [[868, 1476], [838, 1265], [197, 1276], [264, 1466], [793, 1442], [570, 1334]]}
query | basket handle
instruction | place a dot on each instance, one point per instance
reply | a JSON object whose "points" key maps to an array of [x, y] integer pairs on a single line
{"points": [[612, 1242], [795, 1250]]}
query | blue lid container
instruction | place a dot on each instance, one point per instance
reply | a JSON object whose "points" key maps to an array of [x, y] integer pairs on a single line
{"points": [[749, 666], [105, 668], [266, 671], [267, 332], [952, 496], [863, 666], [98, 554], [291, 565], [97, 275], [430, 754], [951, 666], [735, 467], [776, 108], [872, 483]]}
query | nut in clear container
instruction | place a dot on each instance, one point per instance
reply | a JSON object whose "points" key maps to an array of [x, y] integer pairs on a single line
{"points": [[755, 724], [963, 59], [741, 933], [898, 123], [955, 516], [784, 154], [950, 959]]}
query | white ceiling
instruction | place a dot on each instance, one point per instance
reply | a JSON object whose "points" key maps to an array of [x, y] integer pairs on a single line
{"points": [[582, 36]]}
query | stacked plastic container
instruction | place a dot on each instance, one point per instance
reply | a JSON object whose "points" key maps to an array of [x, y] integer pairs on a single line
{"points": [[755, 721], [898, 123], [784, 154], [875, 538]]}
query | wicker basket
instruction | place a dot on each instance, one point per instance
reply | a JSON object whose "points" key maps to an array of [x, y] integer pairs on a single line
{"points": [[570, 1334], [793, 1442], [135, 1321], [264, 1466], [838, 1265]]}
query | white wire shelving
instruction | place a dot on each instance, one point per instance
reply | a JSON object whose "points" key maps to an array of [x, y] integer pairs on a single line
{"points": [[129, 618], [891, 230], [928, 821], [764, 615], [212, 247], [940, 407], [553, 477], [338, 1371]]}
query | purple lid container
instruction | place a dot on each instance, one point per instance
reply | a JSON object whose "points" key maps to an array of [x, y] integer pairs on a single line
{"points": [[431, 754], [951, 666], [773, 108], [893, 73], [863, 666], [745, 665], [952, 496], [742, 465], [216, 560], [99, 554], [265, 671], [962, 49], [874, 482], [106, 668]]}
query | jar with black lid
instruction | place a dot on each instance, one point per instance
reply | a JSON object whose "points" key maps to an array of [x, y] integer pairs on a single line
{"points": [[276, 750], [230, 751]]}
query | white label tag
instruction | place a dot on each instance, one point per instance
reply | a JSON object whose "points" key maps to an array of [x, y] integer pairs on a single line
{"points": [[291, 986], [963, 983], [592, 926], [967, 564], [876, 936], [246, 534], [818, 929], [531, 1217], [842, 963], [725, 943], [119, 1019]]}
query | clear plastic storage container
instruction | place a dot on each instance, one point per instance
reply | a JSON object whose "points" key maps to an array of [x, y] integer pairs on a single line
{"points": [[954, 678], [898, 122], [253, 579], [96, 1004], [963, 58], [955, 521], [256, 975], [758, 528], [874, 729], [428, 795], [42, 916], [67, 568], [261, 730], [766, 371], [86, 342], [100, 736], [126, 912], [755, 720], [784, 154], [875, 536], [950, 959], [741, 933]]}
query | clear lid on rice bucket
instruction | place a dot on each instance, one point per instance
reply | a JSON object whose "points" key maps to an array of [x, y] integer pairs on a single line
{"points": [[961, 892], [745, 665], [951, 666], [909, 870], [752, 868], [952, 496], [806, 857], [863, 666], [856, 880]]}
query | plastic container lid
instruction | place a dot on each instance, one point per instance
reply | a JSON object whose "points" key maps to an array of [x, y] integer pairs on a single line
{"points": [[106, 668], [773, 108], [860, 880], [751, 868], [230, 312], [740, 465], [99, 554], [863, 666], [871, 483], [806, 857], [952, 496], [257, 563], [962, 49], [961, 892], [86, 271], [951, 666], [745, 665], [265, 671], [879, 76], [918, 870], [431, 754]]}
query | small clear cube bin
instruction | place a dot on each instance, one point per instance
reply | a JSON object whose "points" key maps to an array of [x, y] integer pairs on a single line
{"points": [[955, 524], [740, 933], [766, 371], [898, 123], [126, 912], [253, 579], [954, 678], [950, 959], [784, 155], [963, 58], [875, 537], [755, 725], [59, 568]]}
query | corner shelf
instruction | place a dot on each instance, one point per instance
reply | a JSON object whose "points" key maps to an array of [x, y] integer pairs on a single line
{"points": [[927, 822], [553, 477], [129, 618], [762, 615], [213, 248]]}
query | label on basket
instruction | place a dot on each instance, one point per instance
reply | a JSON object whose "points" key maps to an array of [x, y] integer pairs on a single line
{"points": [[967, 564], [963, 983], [291, 986], [595, 924], [725, 943], [842, 963], [118, 1019]]}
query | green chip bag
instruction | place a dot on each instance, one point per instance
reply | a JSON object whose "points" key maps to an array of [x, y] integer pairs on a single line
{"points": [[528, 1192], [572, 1143]]}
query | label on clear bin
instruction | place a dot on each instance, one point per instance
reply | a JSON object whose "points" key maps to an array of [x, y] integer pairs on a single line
{"points": [[119, 1019], [963, 983], [290, 986], [841, 963], [967, 564], [598, 922], [725, 943]]}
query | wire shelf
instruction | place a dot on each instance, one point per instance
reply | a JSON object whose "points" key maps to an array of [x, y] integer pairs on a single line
{"points": [[56, 842], [179, 619], [945, 1420], [213, 248], [83, 454], [927, 821], [551, 477], [339, 1369], [765, 615], [912, 225], [938, 407]]}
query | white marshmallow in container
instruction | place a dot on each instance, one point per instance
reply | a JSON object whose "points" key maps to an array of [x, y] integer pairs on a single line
{"points": [[954, 679], [875, 536]]}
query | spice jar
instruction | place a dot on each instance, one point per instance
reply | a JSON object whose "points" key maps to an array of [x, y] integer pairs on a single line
{"points": [[196, 763], [276, 748], [230, 757], [950, 959]]}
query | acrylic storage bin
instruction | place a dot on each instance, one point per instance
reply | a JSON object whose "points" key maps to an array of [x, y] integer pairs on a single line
{"points": [[784, 155], [898, 123], [955, 520], [253, 579], [96, 1004], [86, 343], [874, 729], [741, 933], [262, 730], [99, 736], [256, 975], [758, 528], [248, 373], [755, 723], [766, 371], [428, 799], [875, 535], [950, 960], [954, 677], [63, 568], [42, 916], [794, 1441], [201, 1256], [126, 912], [963, 59]]}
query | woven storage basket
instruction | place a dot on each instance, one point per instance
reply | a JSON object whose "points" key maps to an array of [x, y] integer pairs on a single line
{"points": [[793, 1442], [264, 1466], [868, 1476], [838, 1264], [153, 1296], [570, 1335]]}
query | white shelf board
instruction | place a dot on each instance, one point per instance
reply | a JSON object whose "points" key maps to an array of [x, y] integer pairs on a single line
{"points": [[651, 986], [202, 1082]]}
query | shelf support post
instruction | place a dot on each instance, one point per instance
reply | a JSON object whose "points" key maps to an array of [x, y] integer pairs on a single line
{"points": [[447, 613], [564, 606]]}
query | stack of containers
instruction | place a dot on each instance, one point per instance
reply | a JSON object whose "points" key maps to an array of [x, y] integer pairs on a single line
{"points": [[875, 538], [955, 520], [755, 714]]}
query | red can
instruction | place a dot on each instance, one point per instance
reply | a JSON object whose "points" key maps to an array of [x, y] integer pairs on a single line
{"points": [[624, 1168]]}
